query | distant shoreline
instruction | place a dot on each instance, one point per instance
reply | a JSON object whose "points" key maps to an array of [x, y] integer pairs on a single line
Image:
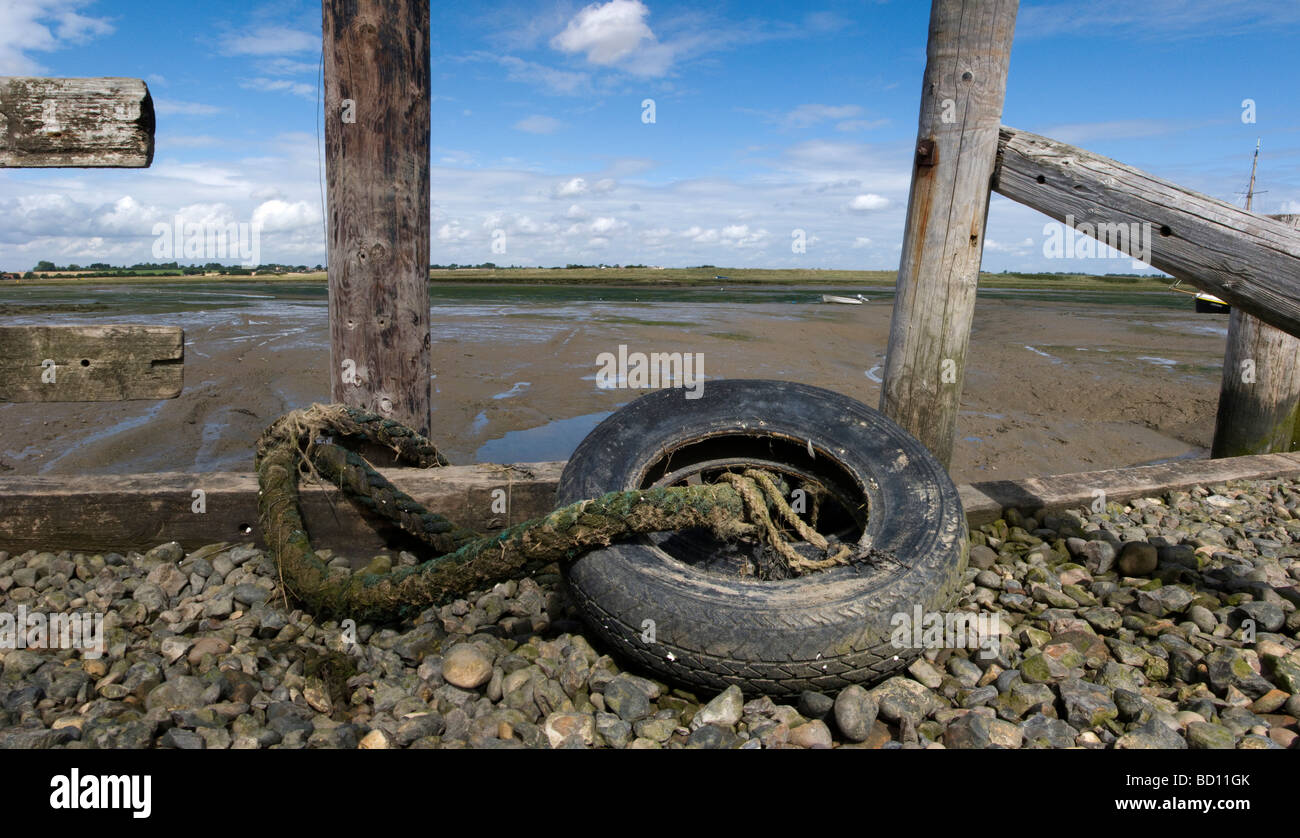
{"points": [[650, 277]]}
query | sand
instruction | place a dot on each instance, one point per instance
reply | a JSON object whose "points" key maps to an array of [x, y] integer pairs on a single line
{"points": [[1051, 386]]}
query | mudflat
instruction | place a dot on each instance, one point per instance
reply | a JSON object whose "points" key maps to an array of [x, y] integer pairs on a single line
{"points": [[1056, 382]]}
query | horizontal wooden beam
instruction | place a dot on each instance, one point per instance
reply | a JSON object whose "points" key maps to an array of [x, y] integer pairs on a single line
{"points": [[75, 123], [90, 363], [137, 512], [985, 501], [1249, 260]]}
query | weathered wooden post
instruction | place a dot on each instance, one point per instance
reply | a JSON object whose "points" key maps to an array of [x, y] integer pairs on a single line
{"points": [[1259, 400], [957, 140], [83, 123], [377, 168]]}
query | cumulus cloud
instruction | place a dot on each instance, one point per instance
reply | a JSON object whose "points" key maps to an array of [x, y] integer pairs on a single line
{"points": [[869, 202], [281, 215], [616, 35], [42, 26], [569, 188], [606, 33], [452, 232]]}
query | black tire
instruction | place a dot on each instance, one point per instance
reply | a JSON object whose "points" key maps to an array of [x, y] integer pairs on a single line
{"points": [[818, 632]]}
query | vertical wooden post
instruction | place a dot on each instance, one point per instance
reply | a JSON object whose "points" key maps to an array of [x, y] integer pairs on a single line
{"points": [[377, 167], [1259, 400], [957, 140]]}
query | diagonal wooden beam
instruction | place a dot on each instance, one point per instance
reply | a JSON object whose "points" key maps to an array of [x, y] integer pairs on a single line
{"points": [[75, 123], [1249, 260], [90, 363]]}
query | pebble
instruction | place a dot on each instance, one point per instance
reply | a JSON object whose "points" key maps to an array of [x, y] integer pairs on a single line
{"points": [[855, 713], [467, 666], [1130, 653], [1137, 558]]}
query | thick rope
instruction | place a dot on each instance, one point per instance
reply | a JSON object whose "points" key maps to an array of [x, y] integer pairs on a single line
{"points": [[309, 442]]}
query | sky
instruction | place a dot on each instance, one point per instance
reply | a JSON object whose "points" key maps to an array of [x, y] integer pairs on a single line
{"points": [[772, 122]]}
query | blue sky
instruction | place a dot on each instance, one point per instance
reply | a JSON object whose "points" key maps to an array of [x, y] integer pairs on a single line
{"points": [[769, 118]]}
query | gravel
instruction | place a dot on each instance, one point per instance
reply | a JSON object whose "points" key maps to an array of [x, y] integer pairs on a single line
{"points": [[1166, 622]]}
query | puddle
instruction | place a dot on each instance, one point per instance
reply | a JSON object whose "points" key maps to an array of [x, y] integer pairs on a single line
{"points": [[1052, 358], [1162, 362], [519, 387], [552, 441]]}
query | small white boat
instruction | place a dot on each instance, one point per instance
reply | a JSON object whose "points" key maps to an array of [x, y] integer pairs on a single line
{"points": [[855, 300], [1206, 303]]}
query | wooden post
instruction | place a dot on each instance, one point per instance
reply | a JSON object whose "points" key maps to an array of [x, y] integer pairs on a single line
{"points": [[1259, 401], [75, 123], [957, 139], [377, 167]]}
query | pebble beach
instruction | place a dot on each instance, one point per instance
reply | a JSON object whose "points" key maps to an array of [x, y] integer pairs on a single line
{"points": [[1166, 622]]}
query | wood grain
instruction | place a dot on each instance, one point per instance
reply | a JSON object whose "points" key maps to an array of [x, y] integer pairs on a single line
{"points": [[137, 512], [377, 168], [961, 110], [90, 363], [1259, 399], [1251, 261], [75, 123]]}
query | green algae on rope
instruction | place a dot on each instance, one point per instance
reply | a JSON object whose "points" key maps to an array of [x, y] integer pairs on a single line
{"points": [[308, 442]]}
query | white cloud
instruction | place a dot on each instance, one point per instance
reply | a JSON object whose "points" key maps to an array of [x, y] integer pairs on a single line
{"points": [[276, 215], [576, 212], [550, 79], [452, 232], [869, 202], [606, 33], [296, 88], [860, 242], [537, 124], [569, 188], [44, 26], [603, 186], [607, 225], [270, 40], [172, 106]]}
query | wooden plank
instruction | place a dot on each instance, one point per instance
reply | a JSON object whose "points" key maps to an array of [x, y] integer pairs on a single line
{"points": [[985, 501], [75, 123], [1259, 398], [377, 167], [90, 363], [1249, 260], [126, 512], [961, 109], [137, 512]]}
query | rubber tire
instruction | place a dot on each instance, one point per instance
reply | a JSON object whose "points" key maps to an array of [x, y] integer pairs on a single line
{"points": [[819, 632]]}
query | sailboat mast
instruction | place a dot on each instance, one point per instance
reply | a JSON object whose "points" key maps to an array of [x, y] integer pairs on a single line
{"points": [[1250, 190]]}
